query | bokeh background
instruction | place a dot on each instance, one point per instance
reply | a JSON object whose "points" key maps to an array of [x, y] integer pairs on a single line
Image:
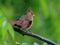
{"points": [[46, 21]]}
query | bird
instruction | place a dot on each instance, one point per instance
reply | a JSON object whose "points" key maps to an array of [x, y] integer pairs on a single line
{"points": [[25, 21]]}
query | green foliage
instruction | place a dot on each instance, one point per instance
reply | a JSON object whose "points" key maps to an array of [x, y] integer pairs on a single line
{"points": [[46, 21], [6, 30]]}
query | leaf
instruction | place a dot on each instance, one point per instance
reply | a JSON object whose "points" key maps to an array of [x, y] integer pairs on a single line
{"points": [[5, 30], [11, 31], [3, 25]]}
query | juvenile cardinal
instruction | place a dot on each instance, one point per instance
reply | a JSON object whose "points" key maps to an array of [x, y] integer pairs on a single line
{"points": [[25, 21]]}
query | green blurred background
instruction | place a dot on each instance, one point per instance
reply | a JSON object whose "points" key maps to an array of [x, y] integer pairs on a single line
{"points": [[46, 21]]}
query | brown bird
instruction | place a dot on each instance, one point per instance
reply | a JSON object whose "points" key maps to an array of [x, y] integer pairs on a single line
{"points": [[25, 21]]}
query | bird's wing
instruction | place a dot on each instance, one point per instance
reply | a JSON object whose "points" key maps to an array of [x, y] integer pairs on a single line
{"points": [[26, 24]]}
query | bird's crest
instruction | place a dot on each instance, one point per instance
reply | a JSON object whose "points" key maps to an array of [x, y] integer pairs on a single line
{"points": [[30, 9]]}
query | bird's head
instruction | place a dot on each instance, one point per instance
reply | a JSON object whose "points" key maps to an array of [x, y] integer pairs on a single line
{"points": [[30, 13]]}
